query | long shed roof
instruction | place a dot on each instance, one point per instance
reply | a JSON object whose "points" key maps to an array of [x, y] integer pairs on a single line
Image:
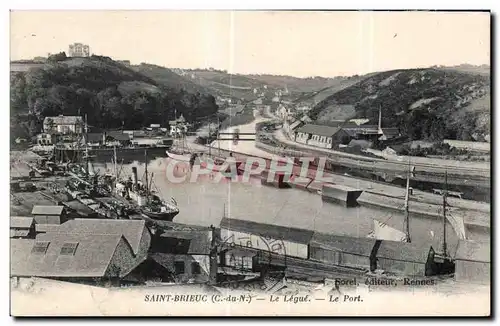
{"points": [[268, 230]]}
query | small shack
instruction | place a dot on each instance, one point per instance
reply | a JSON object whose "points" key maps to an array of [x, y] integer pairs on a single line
{"points": [[49, 214], [473, 262], [22, 227], [404, 258], [185, 255], [341, 250]]}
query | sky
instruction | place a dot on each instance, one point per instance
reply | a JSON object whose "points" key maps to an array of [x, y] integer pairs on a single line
{"points": [[296, 43]]}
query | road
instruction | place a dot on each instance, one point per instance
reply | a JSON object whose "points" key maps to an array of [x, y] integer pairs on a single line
{"points": [[395, 164]]}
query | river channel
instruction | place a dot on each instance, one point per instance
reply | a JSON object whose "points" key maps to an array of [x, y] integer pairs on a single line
{"points": [[205, 202]]}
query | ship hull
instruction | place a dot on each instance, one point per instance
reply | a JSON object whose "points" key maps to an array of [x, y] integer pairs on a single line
{"points": [[179, 157], [164, 216]]}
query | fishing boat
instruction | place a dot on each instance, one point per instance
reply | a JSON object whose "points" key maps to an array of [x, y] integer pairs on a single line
{"points": [[144, 198]]}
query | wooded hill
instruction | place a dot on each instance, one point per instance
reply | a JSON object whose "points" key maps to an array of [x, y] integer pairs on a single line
{"points": [[426, 104], [111, 94]]}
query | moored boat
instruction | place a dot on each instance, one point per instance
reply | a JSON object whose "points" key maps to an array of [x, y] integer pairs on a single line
{"points": [[140, 195]]}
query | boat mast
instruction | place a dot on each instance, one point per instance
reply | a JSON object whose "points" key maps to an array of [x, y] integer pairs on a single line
{"points": [[115, 162], [209, 136], [86, 150], [146, 172], [445, 194], [407, 209], [218, 135]]}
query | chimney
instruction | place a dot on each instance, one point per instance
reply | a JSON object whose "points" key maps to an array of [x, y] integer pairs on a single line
{"points": [[134, 177]]}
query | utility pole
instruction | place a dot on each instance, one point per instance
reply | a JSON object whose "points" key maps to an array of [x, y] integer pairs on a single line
{"points": [[214, 266], [407, 208], [445, 194]]}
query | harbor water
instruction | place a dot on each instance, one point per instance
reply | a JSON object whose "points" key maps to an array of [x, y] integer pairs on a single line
{"points": [[206, 201]]}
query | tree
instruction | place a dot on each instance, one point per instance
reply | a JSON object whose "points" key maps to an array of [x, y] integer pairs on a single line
{"points": [[61, 56]]}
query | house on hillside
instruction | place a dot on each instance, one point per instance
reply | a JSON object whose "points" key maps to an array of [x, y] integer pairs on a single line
{"points": [[322, 136], [63, 125], [178, 126], [283, 112]]}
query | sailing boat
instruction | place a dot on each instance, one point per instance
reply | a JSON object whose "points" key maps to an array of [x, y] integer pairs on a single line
{"points": [[179, 150], [141, 195], [382, 231], [213, 162]]}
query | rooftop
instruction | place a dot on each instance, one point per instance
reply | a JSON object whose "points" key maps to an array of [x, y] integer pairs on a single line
{"points": [[62, 255], [64, 119], [132, 230], [268, 230], [184, 242], [319, 130], [47, 210], [404, 251], [359, 246], [21, 222]]}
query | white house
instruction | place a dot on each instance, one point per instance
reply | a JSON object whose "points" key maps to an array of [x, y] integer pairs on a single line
{"points": [[63, 125]]}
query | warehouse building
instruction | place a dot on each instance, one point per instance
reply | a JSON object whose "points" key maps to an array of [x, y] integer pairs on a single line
{"points": [[341, 250], [404, 258], [276, 239], [473, 262]]}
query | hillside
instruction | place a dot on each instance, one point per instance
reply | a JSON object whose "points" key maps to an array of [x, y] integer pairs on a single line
{"points": [[111, 94], [426, 104], [169, 78]]}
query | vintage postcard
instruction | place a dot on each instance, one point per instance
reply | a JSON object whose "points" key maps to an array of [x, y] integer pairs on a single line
{"points": [[250, 163]]}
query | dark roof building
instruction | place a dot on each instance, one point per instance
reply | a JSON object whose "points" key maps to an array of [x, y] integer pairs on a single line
{"points": [[22, 227], [49, 214], [82, 249], [405, 258], [183, 242], [318, 130]]}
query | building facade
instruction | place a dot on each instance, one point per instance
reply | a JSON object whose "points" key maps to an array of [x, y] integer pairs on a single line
{"points": [[63, 125], [78, 50]]}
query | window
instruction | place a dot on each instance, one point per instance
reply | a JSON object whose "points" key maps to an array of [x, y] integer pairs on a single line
{"points": [[195, 268], [179, 267], [247, 263], [40, 247], [69, 248]]}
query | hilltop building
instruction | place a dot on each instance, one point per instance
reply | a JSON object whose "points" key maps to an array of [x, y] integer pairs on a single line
{"points": [[78, 50]]}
